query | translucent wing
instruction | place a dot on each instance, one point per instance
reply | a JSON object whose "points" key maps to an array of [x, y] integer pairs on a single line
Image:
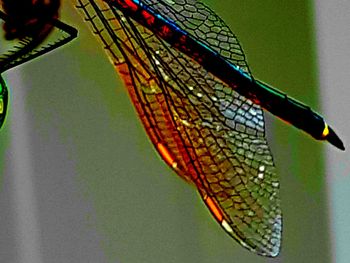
{"points": [[209, 134], [201, 22], [31, 47]]}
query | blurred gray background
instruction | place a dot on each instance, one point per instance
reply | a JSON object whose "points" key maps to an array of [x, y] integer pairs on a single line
{"points": [[80, 181]]}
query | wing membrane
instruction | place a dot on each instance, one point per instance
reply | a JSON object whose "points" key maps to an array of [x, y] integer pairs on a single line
{"points": [[209, 134], [201, 22]]}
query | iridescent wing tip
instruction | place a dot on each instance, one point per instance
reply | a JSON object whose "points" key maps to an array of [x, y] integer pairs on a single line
{"points": [[333, 138]]}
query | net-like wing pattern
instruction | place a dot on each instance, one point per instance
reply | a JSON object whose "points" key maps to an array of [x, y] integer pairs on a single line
{"points": [[201, 22], [212, 136]]}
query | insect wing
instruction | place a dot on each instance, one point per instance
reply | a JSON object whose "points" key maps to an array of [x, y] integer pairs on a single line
{"points": [[209, 134], [27, 49], [31, 47], [203, 24]]}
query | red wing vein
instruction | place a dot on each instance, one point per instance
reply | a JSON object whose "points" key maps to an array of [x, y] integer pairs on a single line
{"points": [[214, 136]]}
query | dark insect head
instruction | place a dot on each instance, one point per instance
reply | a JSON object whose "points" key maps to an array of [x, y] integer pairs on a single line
{"points": [[29, 18]]}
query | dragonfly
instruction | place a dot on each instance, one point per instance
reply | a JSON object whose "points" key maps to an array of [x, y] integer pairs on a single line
{"points": [[188, 78], [28, 46]]}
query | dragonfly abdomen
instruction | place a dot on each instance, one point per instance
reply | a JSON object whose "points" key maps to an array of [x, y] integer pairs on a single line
{"points": [[296, 113]]}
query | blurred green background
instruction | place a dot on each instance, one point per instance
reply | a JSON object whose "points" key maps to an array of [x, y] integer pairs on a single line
{"points": [[141, 210]]}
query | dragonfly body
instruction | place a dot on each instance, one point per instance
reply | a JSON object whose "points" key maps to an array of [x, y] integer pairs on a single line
{"points": [[29, 18]]}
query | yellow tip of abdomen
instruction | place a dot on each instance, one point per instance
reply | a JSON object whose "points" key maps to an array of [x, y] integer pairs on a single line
{"points": [[325, 130]]}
